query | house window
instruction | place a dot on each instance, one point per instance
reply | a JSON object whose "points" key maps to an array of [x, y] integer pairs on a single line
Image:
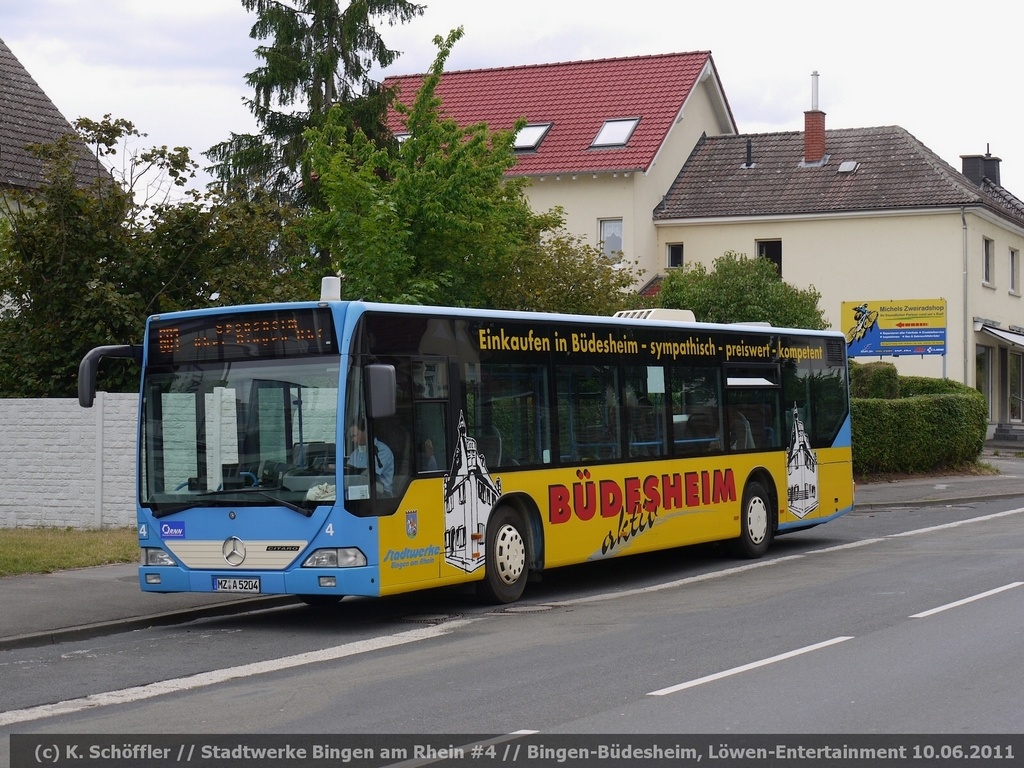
{"points": [[1015, 272], [771, 250], [988, 266], [530, 136], [615, 133], [675, 255], [610, 235]]}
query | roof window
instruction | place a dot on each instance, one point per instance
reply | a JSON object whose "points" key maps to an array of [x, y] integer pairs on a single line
{"points": [[530, 136], [615, 133]]}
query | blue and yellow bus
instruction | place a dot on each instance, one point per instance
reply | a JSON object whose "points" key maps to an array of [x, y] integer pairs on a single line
{"points": [[332, 448]]}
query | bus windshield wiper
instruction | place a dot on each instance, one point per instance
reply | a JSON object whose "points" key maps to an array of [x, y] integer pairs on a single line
{"points": [[161, 509], [264, 494]]}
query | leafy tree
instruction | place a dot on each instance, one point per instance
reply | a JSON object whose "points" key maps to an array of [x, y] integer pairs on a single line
{"points": [[318, 57], [82, 266], [562, 273], [55, 244], [740, 289], [437, 221]]}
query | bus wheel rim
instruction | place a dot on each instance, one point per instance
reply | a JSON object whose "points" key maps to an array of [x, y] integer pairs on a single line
{"points": [[757, 520], [509, 554]]}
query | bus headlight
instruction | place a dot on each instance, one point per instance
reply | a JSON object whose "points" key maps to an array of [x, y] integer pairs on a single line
{"points": [[155, 556], [346, 557]]}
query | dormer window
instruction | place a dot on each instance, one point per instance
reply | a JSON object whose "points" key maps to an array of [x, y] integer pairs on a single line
{"points": [[615, 133], [530, 136]]}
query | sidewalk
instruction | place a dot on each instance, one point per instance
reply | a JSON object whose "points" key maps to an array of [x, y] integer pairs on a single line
{"points": [[88, 602], [50, 608], [951, 489]]}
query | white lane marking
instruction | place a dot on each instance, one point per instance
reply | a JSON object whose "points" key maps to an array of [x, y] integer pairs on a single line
{"points": [[202, 679], [966, 600], [776, 561], [748, 667], [957, 523], [672, 584]]}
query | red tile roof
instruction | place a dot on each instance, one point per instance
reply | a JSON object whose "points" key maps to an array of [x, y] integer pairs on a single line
{"points": [[576, 98]]}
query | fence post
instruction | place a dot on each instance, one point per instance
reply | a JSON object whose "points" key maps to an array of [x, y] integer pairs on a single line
{"points": [[99, 409]]}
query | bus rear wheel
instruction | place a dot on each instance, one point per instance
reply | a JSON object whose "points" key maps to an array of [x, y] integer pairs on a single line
{"points": [[755, 523], [506, 563]]}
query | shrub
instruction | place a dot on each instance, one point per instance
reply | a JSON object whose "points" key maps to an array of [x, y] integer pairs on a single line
{"points": [[933, 424], [874, 380]]}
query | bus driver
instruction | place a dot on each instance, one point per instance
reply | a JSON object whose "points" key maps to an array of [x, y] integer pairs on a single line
{"points": [[383, 457]]}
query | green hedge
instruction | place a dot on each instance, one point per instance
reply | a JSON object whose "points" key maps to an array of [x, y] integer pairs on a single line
{"points": [[928, 424], [874, 380]]}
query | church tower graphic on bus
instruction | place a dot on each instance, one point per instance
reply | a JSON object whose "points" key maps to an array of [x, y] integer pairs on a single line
{"points": [[469, 496], [801, 471]]}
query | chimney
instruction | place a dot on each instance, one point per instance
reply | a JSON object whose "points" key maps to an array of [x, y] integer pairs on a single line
{"points": [[978, 167], [814, 128]]}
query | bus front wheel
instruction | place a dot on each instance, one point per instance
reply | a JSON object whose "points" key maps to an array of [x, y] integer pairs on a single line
{"points": [[755, 523], [506, 563]]}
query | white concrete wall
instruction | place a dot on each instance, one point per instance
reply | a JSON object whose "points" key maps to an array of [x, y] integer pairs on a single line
{"points": [[62, 465]]}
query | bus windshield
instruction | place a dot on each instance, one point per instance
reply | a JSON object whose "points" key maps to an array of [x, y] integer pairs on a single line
{"points": [[243, 433]]}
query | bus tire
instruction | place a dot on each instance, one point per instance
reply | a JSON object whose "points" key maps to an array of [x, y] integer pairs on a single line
{"points": [[755, 523], [507, 562]]}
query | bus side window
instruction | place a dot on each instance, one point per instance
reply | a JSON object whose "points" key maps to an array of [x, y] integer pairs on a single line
{"points": [[431, 446], [429, 422], [696, 414]]}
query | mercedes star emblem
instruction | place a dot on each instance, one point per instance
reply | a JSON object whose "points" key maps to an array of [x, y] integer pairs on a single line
{"points": [[233, 550]]}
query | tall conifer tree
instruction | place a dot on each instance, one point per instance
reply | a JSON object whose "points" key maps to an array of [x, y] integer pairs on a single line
{"points": [[315, 55]]}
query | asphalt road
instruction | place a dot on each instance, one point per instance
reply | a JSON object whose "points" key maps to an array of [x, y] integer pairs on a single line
{"points": [[836, 632]]}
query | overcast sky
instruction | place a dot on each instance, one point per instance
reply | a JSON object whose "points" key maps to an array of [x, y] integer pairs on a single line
{"points": [[947, 72]]}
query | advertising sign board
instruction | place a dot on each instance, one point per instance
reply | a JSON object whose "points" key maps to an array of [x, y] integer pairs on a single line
{"points": [[895, 327]]}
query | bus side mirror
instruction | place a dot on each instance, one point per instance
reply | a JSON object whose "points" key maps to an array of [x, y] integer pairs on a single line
{"points": [[380, 391], [91, 361]]}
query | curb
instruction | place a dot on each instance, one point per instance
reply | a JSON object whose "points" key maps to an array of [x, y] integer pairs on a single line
{"points": [[950, 501], [181, 616]]}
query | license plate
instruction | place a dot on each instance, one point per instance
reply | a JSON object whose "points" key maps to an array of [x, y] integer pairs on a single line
{"points": [[236, 585]]}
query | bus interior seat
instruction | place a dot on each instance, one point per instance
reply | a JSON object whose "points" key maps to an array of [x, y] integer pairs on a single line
{"points": [[700, 432], [741, 435], [318, 457]]}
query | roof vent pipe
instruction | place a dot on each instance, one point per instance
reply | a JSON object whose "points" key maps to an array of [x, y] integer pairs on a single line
{"points": [[750, 153]]}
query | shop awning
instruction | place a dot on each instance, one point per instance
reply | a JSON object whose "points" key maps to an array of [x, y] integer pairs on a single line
{"points": [[1009, 337]]}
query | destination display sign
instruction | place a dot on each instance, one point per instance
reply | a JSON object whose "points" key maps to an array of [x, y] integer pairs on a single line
{"points": [[263, 333]]}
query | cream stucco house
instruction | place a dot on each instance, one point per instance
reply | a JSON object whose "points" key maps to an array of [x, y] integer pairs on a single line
{"points": [[871, 215], [604, 140]]}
